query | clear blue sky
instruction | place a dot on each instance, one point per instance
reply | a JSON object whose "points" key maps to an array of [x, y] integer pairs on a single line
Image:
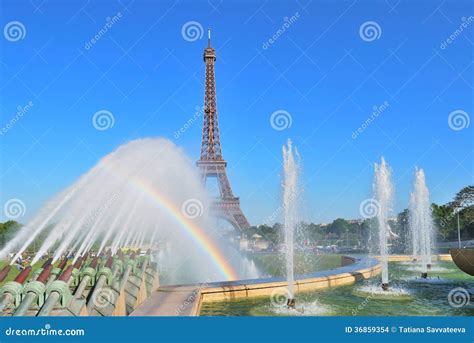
{"points": [[319, 70]]}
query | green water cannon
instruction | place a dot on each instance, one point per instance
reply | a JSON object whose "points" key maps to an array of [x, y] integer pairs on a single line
{"points": [[84, 260], [130, 266], [34, 292], [11, 291], [76, 271], [4, 272], [38, 271], [87, 277], [103, 276], [58, 291], [118, 264], [144, 262], [58, 270], [90, 272], [132, 262], [145, 257], [106, 272]]}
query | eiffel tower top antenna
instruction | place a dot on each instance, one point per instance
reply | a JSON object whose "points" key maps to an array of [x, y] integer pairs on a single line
{"points": [[209, 37]]}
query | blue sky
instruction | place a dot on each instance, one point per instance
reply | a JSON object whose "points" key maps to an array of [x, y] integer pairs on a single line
{"points": [[322, 69]]}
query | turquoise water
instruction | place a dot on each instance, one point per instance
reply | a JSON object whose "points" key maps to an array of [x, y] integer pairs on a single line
{"points": [[409, 296]]}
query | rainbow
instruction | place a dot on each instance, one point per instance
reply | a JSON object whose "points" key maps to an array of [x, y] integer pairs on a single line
{"points": [[196, 233]]}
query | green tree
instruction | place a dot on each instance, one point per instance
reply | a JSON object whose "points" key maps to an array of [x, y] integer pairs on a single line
{"points": [[7, 231], [444, 219], [464, 202], [339, 227]]}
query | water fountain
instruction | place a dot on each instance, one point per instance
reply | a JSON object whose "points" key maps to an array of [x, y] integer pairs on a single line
{"points": [[383, 194], [421, 223], [146, 189], [290, 200]]}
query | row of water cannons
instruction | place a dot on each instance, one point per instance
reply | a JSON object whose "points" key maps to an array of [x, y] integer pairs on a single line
{"points": [[76, 286]]}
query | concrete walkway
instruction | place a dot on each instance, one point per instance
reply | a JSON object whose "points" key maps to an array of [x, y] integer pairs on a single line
{"points": [[171, 301]]}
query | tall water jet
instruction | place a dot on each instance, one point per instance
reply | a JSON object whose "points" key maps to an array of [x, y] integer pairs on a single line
{"points": [[383, 194], [421, 222], [290, 213], [413, 224]]}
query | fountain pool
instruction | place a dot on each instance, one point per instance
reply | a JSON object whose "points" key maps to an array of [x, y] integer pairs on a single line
{"points": [[422, 297]]}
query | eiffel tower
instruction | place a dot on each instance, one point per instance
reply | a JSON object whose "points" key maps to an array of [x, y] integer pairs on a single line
{"points": [[211, 162]]}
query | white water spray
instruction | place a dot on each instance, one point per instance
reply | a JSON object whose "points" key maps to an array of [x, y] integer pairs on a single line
{"points": [[421, 222], [132, 196], [290, 210], [383, 194]]}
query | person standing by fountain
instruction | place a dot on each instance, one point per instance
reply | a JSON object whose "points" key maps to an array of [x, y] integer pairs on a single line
{"points": [[421, 222], [290, 200], [383, 194]]}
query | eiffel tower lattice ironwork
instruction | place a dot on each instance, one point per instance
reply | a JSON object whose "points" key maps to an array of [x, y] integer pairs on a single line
{"points": [[211, 162]]}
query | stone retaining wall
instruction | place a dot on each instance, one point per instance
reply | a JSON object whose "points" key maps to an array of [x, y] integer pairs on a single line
{"points": [[167, 300]]}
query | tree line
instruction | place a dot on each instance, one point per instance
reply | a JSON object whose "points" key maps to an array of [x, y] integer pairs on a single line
{"points": [[358, 232]]}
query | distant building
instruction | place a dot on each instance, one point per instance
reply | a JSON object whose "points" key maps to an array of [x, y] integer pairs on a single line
{"points": [[255, 243]]}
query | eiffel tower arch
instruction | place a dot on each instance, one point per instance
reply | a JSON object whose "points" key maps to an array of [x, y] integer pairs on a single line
{"points": [[211, 163]]}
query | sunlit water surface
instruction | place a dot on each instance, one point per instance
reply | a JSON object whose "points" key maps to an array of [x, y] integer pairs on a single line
{"points": [[410, 296]]}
